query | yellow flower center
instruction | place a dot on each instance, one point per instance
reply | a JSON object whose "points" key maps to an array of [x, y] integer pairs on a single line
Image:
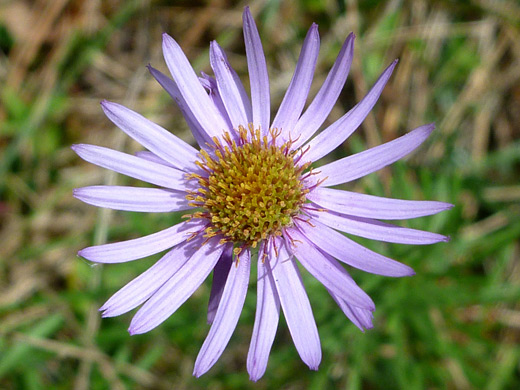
{"points": [[253, 188]]}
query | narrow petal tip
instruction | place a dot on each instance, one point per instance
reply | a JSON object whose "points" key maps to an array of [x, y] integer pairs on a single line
{"points": [[444, 206], [390, 69], [314, 31], [168, 41], [255, 371], [366, 327], [132, 330], [349, 42], [109, 310], [429, 127], [410, 272], [421, 132], [200, 369], [108, 107], [80, 149], [246, 15]]}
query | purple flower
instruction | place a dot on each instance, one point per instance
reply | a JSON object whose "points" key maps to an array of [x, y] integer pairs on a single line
{"points": [[251, 193]]}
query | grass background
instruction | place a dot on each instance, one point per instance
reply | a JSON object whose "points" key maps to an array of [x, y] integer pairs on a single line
{"points": [[455, 325]]}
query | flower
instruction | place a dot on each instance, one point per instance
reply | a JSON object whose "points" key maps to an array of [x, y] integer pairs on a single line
{"points": [[251, 192]]}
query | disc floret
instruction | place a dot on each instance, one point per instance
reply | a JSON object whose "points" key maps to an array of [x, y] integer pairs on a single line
{"points": [[253, 188]]}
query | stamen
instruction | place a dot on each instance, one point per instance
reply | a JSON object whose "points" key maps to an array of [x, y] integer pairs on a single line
{"points": [[253, 190]]}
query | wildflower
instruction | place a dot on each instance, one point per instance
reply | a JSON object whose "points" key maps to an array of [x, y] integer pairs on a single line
{"points": [[251, 193]]}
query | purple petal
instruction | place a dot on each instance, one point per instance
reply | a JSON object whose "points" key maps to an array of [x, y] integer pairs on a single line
{"points": [[296, 95], [339, 131], [296, 307], [351, 253], [210, 84], [192, 91], [120, 252], [259, 79], [227, 316], [173, 293], [360, 317], [132, 166], [220, 274], [371, 160], [171, 87], [376, 230], [325, 99], [153, 200], [230, 87], [328, 271], [145, 285], [149, 156], [266, 318], [370, 206], [152, 136]]}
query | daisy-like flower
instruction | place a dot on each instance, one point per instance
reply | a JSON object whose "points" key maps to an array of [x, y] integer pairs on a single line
{"points": [[251, 194]]}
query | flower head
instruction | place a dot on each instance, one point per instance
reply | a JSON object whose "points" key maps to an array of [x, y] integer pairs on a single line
{"points": [[251, 192]]}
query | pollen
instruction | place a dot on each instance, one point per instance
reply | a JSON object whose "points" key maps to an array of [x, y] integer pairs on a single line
{"points": [[253, 187]]}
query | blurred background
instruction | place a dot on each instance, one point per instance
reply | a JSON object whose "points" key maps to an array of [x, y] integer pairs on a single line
{"points": [[455, 325]]}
